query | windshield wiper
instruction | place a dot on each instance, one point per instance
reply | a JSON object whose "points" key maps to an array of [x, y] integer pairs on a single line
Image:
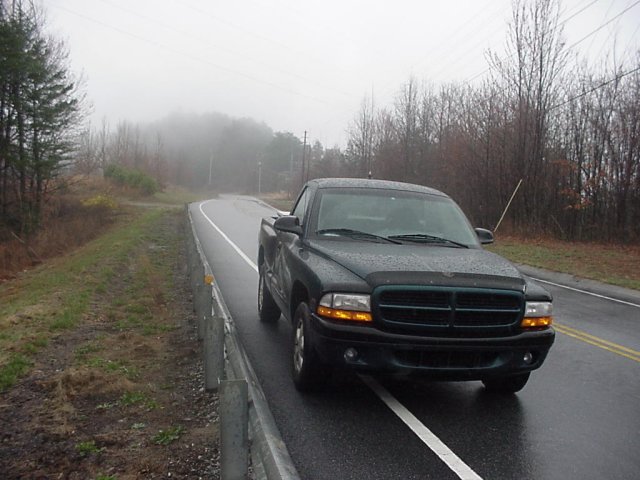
{"points": [[348, 232], [426, 238]]}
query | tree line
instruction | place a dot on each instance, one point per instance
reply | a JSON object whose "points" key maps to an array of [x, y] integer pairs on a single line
{"points": [[40, 105], [566, 134], [569, 133], [543, 122]]}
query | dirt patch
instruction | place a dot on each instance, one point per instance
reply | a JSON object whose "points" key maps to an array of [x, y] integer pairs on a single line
{"points": [[121, 395]]}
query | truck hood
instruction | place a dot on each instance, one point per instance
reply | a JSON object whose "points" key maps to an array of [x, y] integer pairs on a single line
{"points": [[408, 264]]}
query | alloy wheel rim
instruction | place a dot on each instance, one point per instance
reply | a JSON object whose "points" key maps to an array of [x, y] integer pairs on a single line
{"points": [[298, 350]]}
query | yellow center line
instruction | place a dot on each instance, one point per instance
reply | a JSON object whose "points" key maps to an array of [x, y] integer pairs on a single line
{"points": [[599, 342]]}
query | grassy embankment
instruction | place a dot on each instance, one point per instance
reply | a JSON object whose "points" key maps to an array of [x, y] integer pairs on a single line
{"points": [[53, 299], [608, 263], [61, 294]]}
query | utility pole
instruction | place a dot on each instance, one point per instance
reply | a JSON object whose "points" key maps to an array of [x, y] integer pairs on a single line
{"points": [[370, 142], [304, 152], [259, 177], [291, 174]]}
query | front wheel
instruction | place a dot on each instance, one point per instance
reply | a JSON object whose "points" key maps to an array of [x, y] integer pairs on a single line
{"points": [[509, 384], [268, 310], [308, 372]]}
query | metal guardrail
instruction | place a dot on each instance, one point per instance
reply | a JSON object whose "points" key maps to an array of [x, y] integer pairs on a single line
{"points": [[246, 423]]}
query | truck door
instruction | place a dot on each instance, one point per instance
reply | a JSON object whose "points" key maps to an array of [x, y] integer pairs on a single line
{"points": [[286, 247]]}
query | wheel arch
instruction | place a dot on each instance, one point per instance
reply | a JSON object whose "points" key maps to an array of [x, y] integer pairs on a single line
{"points": [[260, 256], [299, 293]]}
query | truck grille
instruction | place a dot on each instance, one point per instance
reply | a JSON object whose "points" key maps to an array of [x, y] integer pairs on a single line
{"points": [[447, 311]]}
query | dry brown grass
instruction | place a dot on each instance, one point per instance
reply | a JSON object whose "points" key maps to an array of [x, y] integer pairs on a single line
{"points": [[279, 200], [117, 391], [610, 263], [66, 225]]}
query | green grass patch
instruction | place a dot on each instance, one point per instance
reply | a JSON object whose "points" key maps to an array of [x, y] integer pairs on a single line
{"points": [[155, 329], [165, 437], [86, 349], [113, 366], [17, 365], [278, 201], [87, 448], [611, 264], [136, 398], [180, 196], [58, 295]]}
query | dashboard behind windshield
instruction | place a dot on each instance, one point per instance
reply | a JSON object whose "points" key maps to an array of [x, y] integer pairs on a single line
{"points": [[391, 212]]}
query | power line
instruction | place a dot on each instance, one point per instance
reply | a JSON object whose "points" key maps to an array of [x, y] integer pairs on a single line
{"points": [[444, 51], [603, 25], [484, 26], [193, 57], [477, 16], [235, 26], [604, 43], [562, 23], [597, 87], [302, 15], [220, 47]]}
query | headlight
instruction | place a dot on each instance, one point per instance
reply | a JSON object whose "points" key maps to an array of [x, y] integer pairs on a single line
{"points": [[537, 315], [345, 306]]}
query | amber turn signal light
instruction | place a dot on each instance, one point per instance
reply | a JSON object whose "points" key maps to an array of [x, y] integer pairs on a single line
{"points": [[536, 322], [344, 314]]}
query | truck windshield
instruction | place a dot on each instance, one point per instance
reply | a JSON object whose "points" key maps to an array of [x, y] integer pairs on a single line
{"points": [[392, 213]]}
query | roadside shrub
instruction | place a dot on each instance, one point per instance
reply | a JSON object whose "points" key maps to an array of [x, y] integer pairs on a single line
{"points": [[101, 201], [148, 185], [116, 173], [132, 178]]}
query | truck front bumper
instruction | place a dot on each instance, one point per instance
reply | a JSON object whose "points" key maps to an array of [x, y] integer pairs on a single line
{"points": [[367, 348]]}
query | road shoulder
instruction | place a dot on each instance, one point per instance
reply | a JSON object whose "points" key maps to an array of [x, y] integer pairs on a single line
{"points": [[583, 284]]}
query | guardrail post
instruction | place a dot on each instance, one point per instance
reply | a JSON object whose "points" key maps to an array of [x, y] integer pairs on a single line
{"points": [[213, 353], [234, 426], [194, 264], [202, 291]]}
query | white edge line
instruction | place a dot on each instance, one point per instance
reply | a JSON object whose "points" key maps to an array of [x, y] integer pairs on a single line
{"points": [[586, 292], [461, 469], [233, 245]]}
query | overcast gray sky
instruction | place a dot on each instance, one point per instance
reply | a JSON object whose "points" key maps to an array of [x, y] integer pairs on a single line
{"points": [[296, 65]]}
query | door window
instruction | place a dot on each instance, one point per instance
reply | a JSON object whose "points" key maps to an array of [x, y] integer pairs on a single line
{"points": [[301, 207]]}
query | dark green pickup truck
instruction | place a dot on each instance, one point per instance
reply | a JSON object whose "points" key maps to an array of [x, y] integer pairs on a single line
{"points": [[390, 277]]}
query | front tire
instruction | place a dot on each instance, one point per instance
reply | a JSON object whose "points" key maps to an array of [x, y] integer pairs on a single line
{"points": [[509, 384], [268, 310], [308, 371]]}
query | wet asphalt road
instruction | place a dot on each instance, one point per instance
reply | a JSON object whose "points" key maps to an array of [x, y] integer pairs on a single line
{"points": [[578, 417]]}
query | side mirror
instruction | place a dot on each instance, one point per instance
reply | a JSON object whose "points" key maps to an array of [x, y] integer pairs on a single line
{"points": [[289, 224], [485, 236]]}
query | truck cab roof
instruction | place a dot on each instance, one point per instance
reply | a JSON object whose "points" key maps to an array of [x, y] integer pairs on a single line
{"points": [[371, 183]]}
